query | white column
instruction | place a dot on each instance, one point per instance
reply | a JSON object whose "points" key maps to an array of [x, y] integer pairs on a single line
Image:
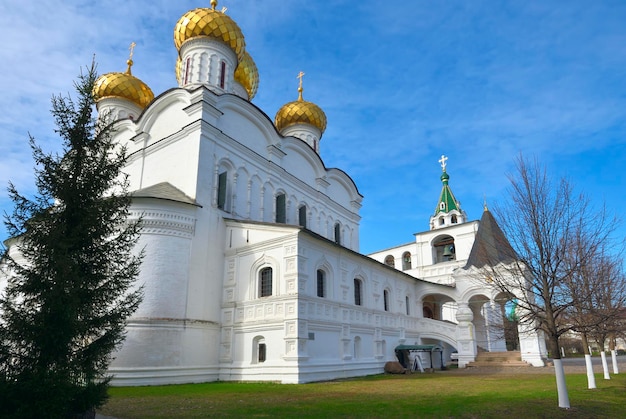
{"points": [[466, 343]]}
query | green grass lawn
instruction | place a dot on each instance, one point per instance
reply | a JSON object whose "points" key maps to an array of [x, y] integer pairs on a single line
{"points": [[438, 395]]}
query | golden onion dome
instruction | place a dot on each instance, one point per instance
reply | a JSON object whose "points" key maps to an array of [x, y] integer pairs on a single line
{"points": [[300, 112], [248, 75], [209, 23], [124, 86]]}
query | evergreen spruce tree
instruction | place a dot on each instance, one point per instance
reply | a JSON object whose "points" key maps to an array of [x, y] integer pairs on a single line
{"points": [[71, 289]]}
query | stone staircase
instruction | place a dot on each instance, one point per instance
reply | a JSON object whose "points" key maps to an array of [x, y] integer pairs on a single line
{"points": [[499, 359]]}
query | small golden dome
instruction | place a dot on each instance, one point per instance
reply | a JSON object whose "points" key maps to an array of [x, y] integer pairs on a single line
{"points": [[210, 23], [179, 68], [123, 85], [300, 112], [248, 75]]}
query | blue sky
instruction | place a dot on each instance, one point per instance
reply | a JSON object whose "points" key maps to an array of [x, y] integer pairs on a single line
{"points": [[401, 82]]}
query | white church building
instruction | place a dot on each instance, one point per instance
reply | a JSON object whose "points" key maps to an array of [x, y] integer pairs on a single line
{"points": [[252, 268]]}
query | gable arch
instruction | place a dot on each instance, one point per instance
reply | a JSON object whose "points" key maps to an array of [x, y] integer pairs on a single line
{"points": [[301, 154], [254, 116], [164, 109]]}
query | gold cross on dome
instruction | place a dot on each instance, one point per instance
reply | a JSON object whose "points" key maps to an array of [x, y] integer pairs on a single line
{"points": [[132, 49], [299, 76]]}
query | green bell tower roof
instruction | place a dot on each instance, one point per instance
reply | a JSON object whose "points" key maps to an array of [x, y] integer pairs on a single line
{"points": [[448, 210]]}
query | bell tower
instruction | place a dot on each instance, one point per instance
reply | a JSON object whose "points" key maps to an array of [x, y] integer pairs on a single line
{"points": [[448, 211]]}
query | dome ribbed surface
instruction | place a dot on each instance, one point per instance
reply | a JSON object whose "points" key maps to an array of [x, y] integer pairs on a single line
{"points": [[125, 86], [300, 112], [247, 75], [206, 22]]}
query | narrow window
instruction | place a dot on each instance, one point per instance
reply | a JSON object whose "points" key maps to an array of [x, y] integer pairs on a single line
{"points": [[390, 261], [265, 282], [262, 352], [338, 233], [321, 283], [221, 190], [386, 300], [406, 302], [302, 216], [187, 70], [281, 211], [441, 221], [406, 261], [357, 292], [222, 74], [453, 219]]}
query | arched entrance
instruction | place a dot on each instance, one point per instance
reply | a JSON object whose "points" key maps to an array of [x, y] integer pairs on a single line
{"points": [[495, 322], [438, 307], [510, 322]]}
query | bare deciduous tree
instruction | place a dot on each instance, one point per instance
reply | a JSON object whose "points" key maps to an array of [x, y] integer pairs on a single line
{"points": [[598, 294], [552, 232]]}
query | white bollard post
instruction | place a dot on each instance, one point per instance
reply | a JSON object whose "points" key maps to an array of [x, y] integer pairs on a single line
{"points": [[562, 352], [605, 366]]}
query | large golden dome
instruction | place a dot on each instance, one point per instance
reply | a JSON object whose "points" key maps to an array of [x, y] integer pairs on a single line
{"points": [[123, 85], [210, 23], [248, 75], [300, 112]]}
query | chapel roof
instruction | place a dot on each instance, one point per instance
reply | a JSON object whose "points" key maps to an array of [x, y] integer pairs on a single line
{"points": [[164, 190], [490, 245]]}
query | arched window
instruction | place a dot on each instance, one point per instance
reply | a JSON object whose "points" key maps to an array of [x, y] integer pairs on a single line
{"points": [[265, 282], [453, 219], [444, 249], [338, 233], [281, 208], [390, 261], [358, 292], [259, 350], [222, 186], [406, 261], [321, 283], [428, 313], [408, 305], [386, 300], [302, 216], [222, 81]]}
